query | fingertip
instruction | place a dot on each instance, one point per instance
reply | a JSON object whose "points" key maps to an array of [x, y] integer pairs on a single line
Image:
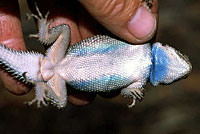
{"points": [[143, 25]]}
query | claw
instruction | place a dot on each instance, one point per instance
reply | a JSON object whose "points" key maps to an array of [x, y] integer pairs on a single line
{"points": [[38, 11], [46, 16], [29, 16], [133, 103], [39, 16], [138, 93], [49, 22]]}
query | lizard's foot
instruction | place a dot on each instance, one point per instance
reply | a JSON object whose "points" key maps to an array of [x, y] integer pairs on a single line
{"points": [[137, 94], [39, 16], [47, 35], [133, 92], [39, 101], [40, 95], [43, 24]]}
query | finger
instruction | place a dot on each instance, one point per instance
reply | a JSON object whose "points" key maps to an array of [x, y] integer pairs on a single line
{"points": [[64, 12], [11, 36], [80, 98], [128, 19], [88, 26]]}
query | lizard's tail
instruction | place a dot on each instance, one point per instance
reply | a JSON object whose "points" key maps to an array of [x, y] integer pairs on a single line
{"points": [[23, 65]]}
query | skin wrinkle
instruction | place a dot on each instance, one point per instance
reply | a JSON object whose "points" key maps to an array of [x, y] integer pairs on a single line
{"points": [[9, 40], [10, 32], [13, 43], [125, 11], [108, 8], [7, 28], [114, 8], [2, 22], [110, 20]]}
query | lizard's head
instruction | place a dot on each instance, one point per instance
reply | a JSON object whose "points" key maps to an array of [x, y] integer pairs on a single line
{"points": [[168, 65]]}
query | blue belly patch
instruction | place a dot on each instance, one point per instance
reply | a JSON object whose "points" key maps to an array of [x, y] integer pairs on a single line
{"points": [[104, 83], [159, 67]]}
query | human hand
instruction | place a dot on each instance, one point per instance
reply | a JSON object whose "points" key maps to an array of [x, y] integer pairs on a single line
{"points": [[115, 15]]}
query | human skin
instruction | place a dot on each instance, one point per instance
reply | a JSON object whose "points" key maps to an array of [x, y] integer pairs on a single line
{"points": [[128, 19]]}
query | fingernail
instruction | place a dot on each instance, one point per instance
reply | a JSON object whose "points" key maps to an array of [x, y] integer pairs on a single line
{"points": [[143, 24]]}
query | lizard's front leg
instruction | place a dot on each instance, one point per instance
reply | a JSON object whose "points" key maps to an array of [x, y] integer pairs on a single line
{"points": [[134, 91]]}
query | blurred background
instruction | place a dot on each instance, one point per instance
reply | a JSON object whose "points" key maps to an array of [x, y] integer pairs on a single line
{"points": [[171, 109]]}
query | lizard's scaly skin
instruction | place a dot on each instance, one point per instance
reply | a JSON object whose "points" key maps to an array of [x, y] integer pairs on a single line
{"points": [[96, 64]]}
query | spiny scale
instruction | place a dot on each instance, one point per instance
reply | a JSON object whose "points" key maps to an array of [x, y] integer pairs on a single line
{"points": [[22, 65], [14, 73]]}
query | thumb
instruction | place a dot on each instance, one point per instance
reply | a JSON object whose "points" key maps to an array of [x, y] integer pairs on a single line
{"points": [[132, 20]]}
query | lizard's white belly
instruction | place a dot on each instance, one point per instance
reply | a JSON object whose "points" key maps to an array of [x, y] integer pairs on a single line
{"points": [[108, 71]]}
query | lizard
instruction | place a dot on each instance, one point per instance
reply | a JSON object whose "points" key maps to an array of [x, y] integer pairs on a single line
{"points": [[96, 64]]}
